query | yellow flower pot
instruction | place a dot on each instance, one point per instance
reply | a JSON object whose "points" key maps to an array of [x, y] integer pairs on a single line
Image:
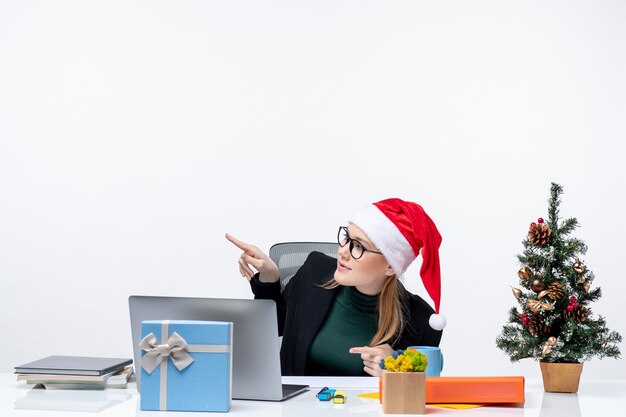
{"points": [[404, 392]]}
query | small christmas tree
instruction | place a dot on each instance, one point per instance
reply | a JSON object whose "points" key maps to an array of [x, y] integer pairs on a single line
{"points": [[554, 322]]}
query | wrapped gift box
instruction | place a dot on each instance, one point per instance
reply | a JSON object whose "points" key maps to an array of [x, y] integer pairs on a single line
{"points": [[186, 365], [475, 389]]}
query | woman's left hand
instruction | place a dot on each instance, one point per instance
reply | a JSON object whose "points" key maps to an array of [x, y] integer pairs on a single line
{"points": [[372, 356]]}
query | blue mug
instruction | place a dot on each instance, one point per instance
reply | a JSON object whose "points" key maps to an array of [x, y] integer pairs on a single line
{"points": [[435, 359]]}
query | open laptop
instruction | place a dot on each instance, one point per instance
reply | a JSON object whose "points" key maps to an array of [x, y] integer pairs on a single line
{"points": [[256, 347]]}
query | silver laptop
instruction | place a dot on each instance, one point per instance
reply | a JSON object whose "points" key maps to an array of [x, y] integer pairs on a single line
{"points": [[256, 346]]}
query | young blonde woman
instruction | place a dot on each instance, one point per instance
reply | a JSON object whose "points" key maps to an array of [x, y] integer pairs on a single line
{"points": [[342, 316]]}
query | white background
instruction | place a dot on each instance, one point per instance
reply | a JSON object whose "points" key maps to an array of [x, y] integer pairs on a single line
{"points": [[133, 134]]}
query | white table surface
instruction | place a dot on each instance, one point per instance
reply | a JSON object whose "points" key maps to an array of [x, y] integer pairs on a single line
{"points": [[602, 398]]}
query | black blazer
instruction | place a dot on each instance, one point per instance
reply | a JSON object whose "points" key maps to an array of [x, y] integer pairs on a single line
{"points": [[302, 308]]}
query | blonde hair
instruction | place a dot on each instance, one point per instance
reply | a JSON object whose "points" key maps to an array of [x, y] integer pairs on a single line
{"points": [[390, 317]]}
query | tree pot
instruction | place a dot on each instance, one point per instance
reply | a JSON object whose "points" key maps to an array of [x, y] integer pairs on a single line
{"points": [[560, 377]]}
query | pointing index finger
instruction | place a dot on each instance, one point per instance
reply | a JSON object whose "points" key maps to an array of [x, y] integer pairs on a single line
{"points": [[359, 350], [241, 245]]}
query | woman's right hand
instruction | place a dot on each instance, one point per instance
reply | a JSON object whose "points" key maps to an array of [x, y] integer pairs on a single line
{"points": [[253, 256]]}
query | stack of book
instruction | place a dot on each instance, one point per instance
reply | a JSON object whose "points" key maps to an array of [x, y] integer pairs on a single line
{"points": [[76, 372]]}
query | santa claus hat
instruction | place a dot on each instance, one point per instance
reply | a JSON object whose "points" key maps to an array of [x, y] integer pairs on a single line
{"points": [[400, 229]]}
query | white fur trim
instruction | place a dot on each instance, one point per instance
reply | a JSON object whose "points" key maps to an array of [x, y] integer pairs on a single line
{"points": [[386, 236], [437, 321]]}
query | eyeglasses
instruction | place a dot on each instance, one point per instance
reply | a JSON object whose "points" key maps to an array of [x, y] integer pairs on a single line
{"points": [[356, 248]]}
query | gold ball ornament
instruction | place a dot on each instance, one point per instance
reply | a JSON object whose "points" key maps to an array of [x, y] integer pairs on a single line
{"points": [[551, 340], [547, 349], [579, 267], [586, 286], [516, 292], [537, 285]]}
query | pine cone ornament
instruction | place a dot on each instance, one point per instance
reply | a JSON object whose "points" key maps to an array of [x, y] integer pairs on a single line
{"points": [[555, 291], [578, 313], [539, 234], [537, 327]]}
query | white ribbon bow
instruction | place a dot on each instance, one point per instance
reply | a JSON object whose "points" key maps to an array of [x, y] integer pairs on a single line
{"points": [[175, 348]]}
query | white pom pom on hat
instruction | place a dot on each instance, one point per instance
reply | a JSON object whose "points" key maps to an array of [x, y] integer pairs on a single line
{"points": [[400, 230], [437, 321]]}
